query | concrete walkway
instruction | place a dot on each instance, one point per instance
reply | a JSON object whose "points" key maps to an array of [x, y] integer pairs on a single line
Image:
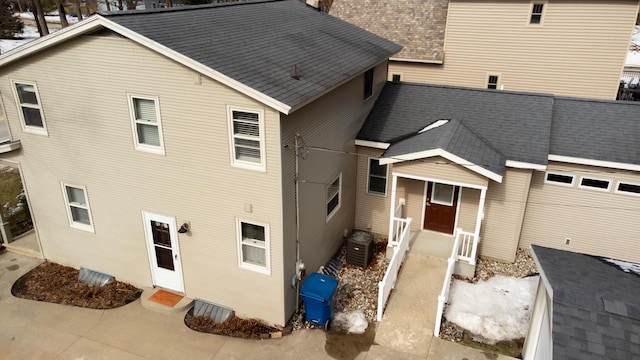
{"points": [[38, 330]]}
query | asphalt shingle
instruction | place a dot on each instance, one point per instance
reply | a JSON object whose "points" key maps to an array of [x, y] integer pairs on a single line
{"points": [[258, 42]]}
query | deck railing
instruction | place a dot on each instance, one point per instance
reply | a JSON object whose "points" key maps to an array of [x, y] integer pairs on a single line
{"points": [[400, 245], [467, 246]]}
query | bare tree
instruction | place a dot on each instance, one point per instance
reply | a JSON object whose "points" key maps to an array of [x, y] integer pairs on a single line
{"points": [[39, 16], [169, 3], [108, 3], [62, 13], [120, 5], [77, 9]]}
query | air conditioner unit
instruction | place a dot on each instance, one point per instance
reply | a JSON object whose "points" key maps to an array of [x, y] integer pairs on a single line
{"points": [[360, 249]]}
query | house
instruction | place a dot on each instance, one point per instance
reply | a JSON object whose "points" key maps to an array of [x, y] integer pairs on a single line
{"points": [[212, 157], [501, 169], [588, 310], [567, 48]]}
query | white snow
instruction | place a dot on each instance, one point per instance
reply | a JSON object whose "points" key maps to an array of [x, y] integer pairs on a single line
{"points": [[354, 322], [633, 56], [494, 310], [29, 33], [626, 266]]}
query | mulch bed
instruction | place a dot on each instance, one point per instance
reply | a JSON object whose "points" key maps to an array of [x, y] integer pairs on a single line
{"points": [[54, 283], [234, 327]]}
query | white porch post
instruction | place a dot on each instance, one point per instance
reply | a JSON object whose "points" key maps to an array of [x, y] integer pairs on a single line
{"points": [[392, 209], [476, 234]]}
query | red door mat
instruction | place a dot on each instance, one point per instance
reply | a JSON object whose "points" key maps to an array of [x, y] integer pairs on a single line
{"points": [[165, 298]]}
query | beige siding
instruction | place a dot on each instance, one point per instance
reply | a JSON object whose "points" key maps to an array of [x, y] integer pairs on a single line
{"points": [[504, 211], [413, 192], [468, 210], [440, 169], [372, 210], [579, 50], [341, 114], [597, 222], [83, 86]]}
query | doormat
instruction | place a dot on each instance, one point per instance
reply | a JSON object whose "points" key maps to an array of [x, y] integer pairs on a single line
{"points": [[165, 298]]}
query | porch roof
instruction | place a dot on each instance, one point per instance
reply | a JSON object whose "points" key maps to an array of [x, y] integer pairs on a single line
{"points": [[454, 141], [516, 125]]}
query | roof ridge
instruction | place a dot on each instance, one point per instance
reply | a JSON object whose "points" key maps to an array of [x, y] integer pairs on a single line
{"points": [[185, 8], [484, 140]]}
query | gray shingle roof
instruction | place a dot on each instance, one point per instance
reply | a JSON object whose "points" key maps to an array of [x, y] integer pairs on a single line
{"points": [[596, 306], [456, 138], [258, 42], [515, 124], [418, 25], [596, 129]]}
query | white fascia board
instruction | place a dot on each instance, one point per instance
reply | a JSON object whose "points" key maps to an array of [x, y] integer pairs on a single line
{"points": [[582, 161], [525, 165], [372, 144], [447, 155], [96, 21], [436, 62]]}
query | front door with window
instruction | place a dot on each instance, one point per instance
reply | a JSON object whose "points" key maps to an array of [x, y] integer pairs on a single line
{"points": [[164, 256], [440, 207]]}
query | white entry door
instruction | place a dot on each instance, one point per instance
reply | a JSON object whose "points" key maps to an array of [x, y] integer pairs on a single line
{"points": [[164, 254]]}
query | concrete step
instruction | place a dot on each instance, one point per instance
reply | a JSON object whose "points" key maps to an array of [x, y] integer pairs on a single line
{"points": [[147, 293], [21, 250]]}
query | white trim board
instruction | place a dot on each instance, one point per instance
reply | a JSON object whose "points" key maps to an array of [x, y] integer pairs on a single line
{"points": [[601, 163], [373, 144]]}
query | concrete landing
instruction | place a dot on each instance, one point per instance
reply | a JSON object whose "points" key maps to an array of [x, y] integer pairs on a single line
{"points": [[166, 308], [25, 244], [409, 318]]}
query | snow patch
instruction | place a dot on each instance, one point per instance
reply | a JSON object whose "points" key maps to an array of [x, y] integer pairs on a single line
{"points": [[494, 310], [625, 266], [353, 322]]}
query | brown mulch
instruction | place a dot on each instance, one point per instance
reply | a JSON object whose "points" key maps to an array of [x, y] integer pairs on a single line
{"points": [[235, 327], [54, 283]]}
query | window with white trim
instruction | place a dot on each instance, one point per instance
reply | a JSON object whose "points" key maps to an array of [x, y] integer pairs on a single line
{"points": [[368, 84], [493, 81], [78, 210], [246, 131], [594, 184], [253, 246], [559, 179], [628, 188], [537, 10], [334, 195], [5, 134], [442, 194], [377, 176], [145, 121], [30, 107], [396, 77]]}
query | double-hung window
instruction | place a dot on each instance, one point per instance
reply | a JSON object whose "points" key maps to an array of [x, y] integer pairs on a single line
{"points": [[537, 11], [334, 193], [246, 130], [77, 204], [377, 183], [493, 81], [30, 107], [253, 246], [145, 121]]}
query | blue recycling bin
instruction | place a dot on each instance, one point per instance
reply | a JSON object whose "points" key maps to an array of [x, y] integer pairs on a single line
{"points": [[317, 293]]}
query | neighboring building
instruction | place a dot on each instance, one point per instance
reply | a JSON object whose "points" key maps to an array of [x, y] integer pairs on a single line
{"points": [[568, 48], [509, 168], [134, 132], [588, 310]]}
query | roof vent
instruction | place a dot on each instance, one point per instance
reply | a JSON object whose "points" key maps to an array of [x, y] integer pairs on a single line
{"points": [[434, 125], [294, 72]]}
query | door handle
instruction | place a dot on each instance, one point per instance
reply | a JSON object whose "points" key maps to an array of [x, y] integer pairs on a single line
{"points": [[428, 203]]}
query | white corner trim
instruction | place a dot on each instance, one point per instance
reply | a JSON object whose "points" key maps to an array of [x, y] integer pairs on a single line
{"points": [[97, 21], [373, 144], [447, 155], [525, 165], [583, 161]]}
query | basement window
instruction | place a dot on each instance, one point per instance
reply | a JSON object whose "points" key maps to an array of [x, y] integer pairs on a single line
{"points": [[559, 179], [628, 188], [594, 184]]}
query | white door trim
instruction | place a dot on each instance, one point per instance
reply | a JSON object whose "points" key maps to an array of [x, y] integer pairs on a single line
{"points": [[169, 279]]}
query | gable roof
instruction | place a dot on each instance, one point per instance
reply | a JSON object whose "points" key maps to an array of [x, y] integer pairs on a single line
{"points": [[505, 125], [250, 46], [585, 130], [418, 25], [596, 313]]}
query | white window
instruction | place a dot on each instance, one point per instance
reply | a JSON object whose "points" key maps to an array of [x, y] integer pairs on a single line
{"points": [[368, 84], [537, 11], [246, 130], [493, 81], [594, 184], [377, 183], [443, 194], [559, 179], [253, 246], [628, 188], [30, 107], [146, 125], [78, 210], [334, 193], [396, 77], [5, 135]]}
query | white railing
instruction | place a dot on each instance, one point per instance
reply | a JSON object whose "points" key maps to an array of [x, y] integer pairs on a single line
{"points": [[400, 246], [467, 246], [444, 294]]}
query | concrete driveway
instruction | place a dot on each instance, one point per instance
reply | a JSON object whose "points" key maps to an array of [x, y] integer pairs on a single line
{"points": [[38, 330]]}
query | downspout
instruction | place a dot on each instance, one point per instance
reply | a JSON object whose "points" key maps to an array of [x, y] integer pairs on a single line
{"points": [[297, 192]]}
